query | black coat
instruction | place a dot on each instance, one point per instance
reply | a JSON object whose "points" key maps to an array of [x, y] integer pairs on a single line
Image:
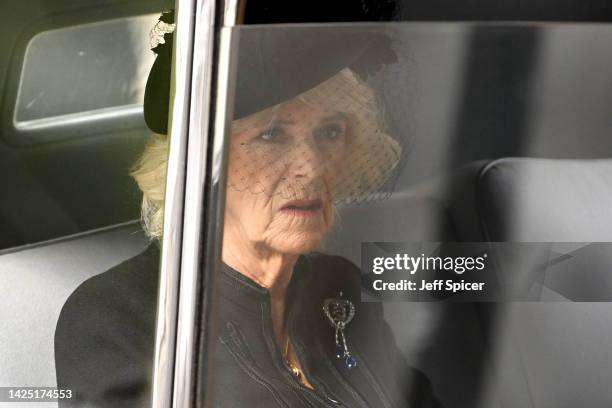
{"points": [[104, 342]]}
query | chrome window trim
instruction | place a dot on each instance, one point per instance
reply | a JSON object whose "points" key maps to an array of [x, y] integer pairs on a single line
{"points": [[219, 105], [192, 203], [211, 259], [194, 206], [171, 250], [231, 11]]}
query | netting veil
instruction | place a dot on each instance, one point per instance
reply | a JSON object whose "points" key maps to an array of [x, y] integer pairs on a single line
{"points": [[308, 121], [330, 140]]}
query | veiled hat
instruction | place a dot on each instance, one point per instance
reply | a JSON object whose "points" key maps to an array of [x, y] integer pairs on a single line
{"points": [[328, 65]]}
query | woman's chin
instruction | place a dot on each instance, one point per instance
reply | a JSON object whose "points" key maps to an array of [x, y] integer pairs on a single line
{"points": [[298, 242]]}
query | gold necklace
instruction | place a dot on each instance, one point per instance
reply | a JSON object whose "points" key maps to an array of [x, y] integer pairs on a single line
{"points": [[295, 370]]}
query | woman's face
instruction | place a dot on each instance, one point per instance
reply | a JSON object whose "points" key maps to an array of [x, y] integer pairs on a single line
{"points": [[283, 166]]}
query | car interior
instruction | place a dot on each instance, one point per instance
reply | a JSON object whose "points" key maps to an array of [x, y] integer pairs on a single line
{"points": [[69, 135], [510, 142]]}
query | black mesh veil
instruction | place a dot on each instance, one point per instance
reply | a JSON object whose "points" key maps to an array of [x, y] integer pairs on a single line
{"points": [[328, 140], [308, 122]]}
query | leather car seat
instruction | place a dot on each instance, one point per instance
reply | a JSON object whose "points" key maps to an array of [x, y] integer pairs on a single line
{"points": [[37, 280], [551, 353]]}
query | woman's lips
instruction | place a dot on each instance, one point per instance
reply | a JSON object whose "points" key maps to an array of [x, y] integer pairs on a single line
{"points": [[303, 208]]}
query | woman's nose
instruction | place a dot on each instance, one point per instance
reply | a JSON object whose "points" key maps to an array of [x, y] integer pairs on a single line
{"points": [[308, 161]]}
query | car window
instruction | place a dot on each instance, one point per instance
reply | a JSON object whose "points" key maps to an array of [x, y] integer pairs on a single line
{"points": [[72, 124], [91, 76], [414, 212], [289, 213], [77, 262]]}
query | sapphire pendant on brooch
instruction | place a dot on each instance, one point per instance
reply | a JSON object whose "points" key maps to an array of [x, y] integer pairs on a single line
{"points": [[339, 313]]}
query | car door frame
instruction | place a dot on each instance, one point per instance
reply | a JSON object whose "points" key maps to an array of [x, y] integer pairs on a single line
{"points": [[194, 196]]}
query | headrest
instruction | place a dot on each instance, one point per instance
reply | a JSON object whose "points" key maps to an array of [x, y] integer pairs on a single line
{"points": [[545, 200]]}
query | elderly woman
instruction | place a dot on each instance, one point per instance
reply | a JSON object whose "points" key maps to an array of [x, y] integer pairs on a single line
{"points": [[293, 332]]}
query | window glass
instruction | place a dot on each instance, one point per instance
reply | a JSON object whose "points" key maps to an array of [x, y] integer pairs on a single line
{"points": [[416, 214], [79, 265], [85, 74], [73, 82]]}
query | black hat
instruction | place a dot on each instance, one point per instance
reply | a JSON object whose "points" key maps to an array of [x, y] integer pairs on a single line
{"points": [[275, 63]]}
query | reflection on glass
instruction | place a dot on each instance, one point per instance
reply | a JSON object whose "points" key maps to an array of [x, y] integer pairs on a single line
{"points": [[308, 134], [414, 123]]}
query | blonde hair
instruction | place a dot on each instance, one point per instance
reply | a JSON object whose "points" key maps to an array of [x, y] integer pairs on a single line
{"points": [[371, 145], [150, 175]]}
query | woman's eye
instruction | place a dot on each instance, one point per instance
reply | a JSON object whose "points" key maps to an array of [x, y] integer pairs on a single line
{"points": [[270, 135], [329, 133]]}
